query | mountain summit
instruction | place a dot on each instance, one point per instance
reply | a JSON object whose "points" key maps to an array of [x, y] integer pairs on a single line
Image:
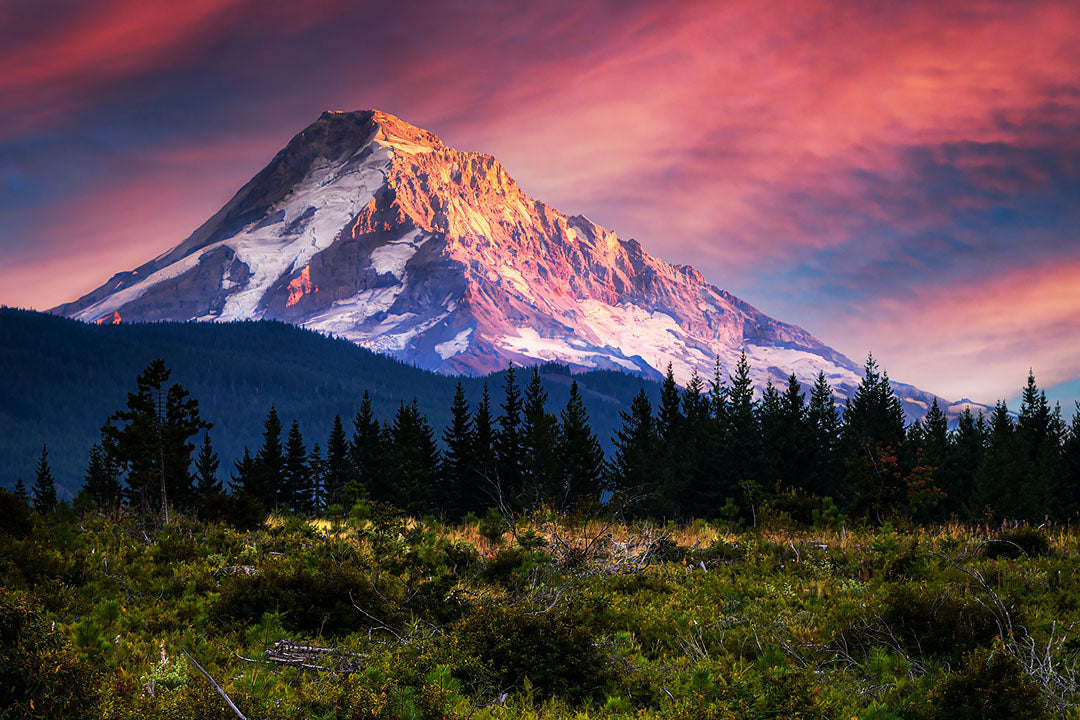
{"points": [[371, 229]]}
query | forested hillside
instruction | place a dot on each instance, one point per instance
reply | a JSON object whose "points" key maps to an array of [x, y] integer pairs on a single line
{"points": [[62, 379]]}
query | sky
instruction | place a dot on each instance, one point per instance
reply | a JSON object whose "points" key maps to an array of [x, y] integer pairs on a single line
{"points": [[901, 177]]}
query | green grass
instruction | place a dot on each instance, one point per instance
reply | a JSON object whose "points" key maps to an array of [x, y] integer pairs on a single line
{"points": [[562, 618]]}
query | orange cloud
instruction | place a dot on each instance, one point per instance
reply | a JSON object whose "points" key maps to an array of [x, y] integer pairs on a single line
{"points": [[982, 337]]}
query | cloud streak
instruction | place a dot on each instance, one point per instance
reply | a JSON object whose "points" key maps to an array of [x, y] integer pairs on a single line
{"points": [[839, 164]]}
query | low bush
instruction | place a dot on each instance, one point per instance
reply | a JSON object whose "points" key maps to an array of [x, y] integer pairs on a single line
{"points": [[1017, 542], [989, 685]]}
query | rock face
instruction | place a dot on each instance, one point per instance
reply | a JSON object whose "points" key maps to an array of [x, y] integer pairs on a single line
{"points": [[372, 229]]}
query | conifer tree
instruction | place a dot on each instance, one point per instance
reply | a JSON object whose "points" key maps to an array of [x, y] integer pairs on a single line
{"points": [[243, 480], [1003, 474], [791, 436], [742, 445], [508, 447], [1070, 485], [148, 440], [100, 482], [270, 463], [414, 460], [44, 485], [1040, 432], [317, 473], [965, 454], [206, 467], [336, 463], [367, 454], [20, 491], [484, 457], [539, 438], [824, 466], [580, 452], [297, 480], [771, 422], [671, 483], [458, 462], [632, 473], [873, 435]]}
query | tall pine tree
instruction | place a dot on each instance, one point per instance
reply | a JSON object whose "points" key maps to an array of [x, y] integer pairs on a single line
{"points": [[44, 485], [269, 484], [508, 446], [539, 438], [336, 464], [580, 453], [458, 462], [632, 473], [296, 495], [206, 467]]}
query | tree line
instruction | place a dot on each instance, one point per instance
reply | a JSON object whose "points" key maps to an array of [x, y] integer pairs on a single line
{"points": [[710, 449]]}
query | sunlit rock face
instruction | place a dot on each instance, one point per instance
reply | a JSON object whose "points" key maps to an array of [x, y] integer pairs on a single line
{"points": [[371, 229]]}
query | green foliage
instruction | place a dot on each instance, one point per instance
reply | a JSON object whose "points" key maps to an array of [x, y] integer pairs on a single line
{"points": [[989, 684], [1017, 542], [39, 676], [551, 649]]}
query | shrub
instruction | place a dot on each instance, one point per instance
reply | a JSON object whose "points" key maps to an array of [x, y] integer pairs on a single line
{"points": [[989, 685], [16, 519], [554, 648], [1017, 542], [935, 623], [39, 676]]}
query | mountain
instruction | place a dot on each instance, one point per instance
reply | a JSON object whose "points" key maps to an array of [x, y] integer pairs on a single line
{"points": [[62, 379], [373, 230]]}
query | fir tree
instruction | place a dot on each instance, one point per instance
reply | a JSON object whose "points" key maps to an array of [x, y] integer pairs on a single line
{"points": [[632, 473], [742, 445], [539, 437], [824, 465], [414, 460], [873, 435], [336, 464], [1070, 485], [317, 473], [297, 481], [965, 454], [1004, 472], [367, 455], [44, 485], [508, 446], [458, 462], [243, 479], [206, 467], [21, 493], [149, 440], [100, 483], [790, 445], [484, 456], [270, 463], [671, 484], [580, 453]]}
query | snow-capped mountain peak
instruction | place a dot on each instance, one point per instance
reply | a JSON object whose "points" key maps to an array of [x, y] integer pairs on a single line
{"points": [[372, 229]]}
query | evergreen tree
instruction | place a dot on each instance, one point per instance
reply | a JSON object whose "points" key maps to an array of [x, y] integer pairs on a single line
{"points": [[824, 465], [1070, 485], [484, 457], [965, 454], [206, 467], [21, 493], [771, 422], [243, 480], [508, 447], [414, 460], [671, 485], [297, 479], [270, 464], [336, 464], [873, 436], [317, 473], [100, 482], [539, 437], [1040, 432], [151, 443], [788, 436], [44, 485], [580, 453], [632, 473], [742, 446], [695, 444], [1005, 471], [367, 454], [458, 462]]}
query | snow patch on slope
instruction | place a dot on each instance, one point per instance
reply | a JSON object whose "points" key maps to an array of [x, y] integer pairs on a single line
{"points": [[457, 344], [392, 257]]}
